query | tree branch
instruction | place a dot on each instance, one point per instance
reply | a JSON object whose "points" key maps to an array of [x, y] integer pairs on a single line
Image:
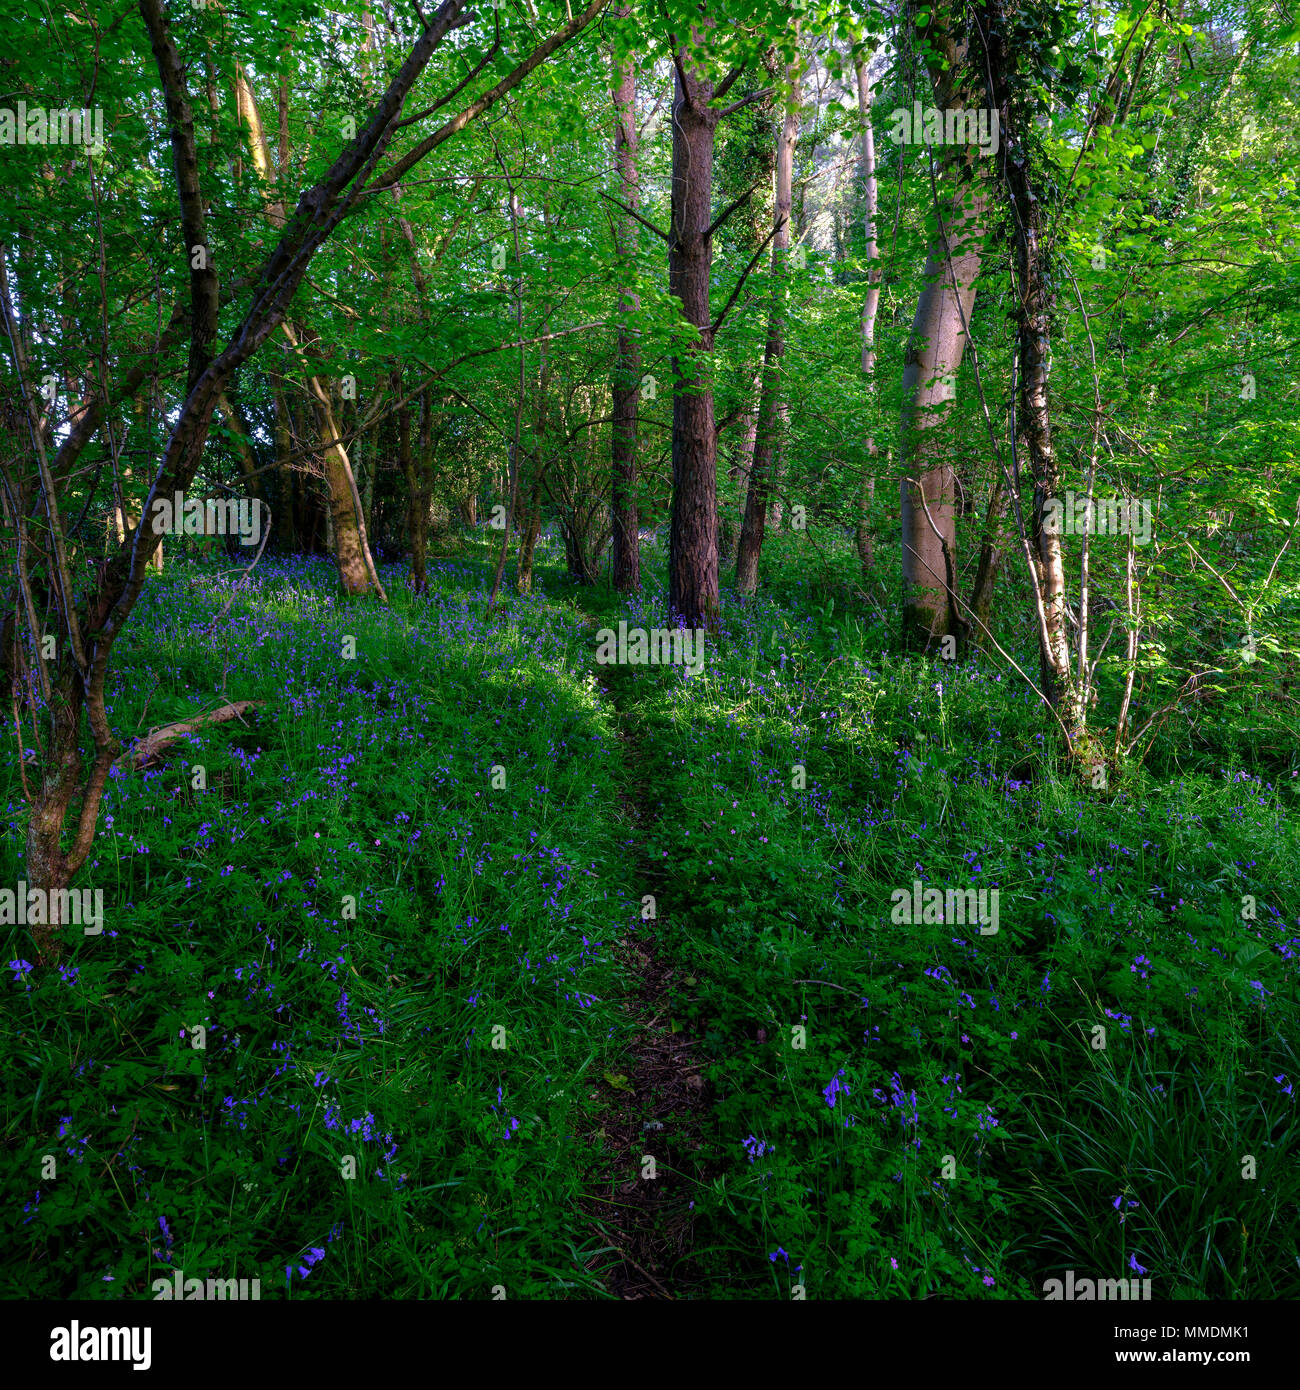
{"points": [[632, 212], [722, 216], [745, 101], [725, 85], [465, 81], [489, 98], [743, 277]]}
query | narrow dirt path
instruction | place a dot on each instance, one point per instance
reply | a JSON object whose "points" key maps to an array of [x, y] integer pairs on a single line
{"points": [[655, 1102]]}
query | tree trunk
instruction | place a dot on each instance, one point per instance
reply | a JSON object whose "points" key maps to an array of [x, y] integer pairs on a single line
{"points": [[934, 355], [368, 489], [241, 444], [772, 403], [626, 557], [977, 627], [870, 306], [356, 565], [1033, 348], [743, 458], [123, 528], [344, 522], [286, 530], [693, 535], [351, 548], [528, 542], [417, 499]]}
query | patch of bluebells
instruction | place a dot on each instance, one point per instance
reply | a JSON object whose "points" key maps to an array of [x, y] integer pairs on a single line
{"points": [[836, 1088], [315, 1254], [499, 1110], [164, 1256], [906, 1103], [756, 1148]]}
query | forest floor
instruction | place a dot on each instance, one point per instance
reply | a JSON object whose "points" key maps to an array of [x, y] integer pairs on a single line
{"points": [[375, 1011], [655, 1107]]}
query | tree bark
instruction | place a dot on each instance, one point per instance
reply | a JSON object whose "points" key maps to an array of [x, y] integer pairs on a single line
{"points": [[1036, 302], [626, 555], [870, 305], [978, 624], [528, 541], [772, 403], [241, 443], [693, 533], [417, 500], [934, 355]]}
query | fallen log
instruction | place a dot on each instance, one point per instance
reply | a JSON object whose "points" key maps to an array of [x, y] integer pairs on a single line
{"points": [[154, 744]]}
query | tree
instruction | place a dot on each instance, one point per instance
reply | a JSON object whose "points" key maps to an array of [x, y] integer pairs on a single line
{"points": [[89, 628], [771, 412], [936, 347], [870, 300], [626, 385]]}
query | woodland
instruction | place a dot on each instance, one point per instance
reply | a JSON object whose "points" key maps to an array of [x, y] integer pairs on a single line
{"points": [[649, 651]]}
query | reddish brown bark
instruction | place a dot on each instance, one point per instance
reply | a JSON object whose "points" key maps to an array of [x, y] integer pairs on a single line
{"points": [[626, 552], [693, 532]]}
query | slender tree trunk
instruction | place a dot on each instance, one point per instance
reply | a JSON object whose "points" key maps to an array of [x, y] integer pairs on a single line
{"points": [[417, 500], [242, 446], [979, 623], [124, 526], [532, 522], [528, 542], [351, 548], [286, 530], [368, 493], [356, 565], [344, 522], [626, 556], [771, 410], [870, 305], [1036, 298], [763, 169]]}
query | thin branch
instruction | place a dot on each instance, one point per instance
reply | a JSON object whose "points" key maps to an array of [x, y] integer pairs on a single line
{"points": [[464, 82], [489, 98], [722, 216], [745, 101], [743, 277], [632, 212]]}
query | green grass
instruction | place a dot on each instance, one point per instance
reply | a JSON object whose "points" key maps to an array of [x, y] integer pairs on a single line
{"points": [[357, 915], [988, 1125], [353, 911]]}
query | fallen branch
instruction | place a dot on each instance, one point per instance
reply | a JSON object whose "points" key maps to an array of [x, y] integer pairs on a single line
{"points": [[156, 743]]}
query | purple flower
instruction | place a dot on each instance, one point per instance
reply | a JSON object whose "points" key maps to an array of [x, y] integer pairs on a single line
{"points": [[20, 967], [834, 1089]]}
